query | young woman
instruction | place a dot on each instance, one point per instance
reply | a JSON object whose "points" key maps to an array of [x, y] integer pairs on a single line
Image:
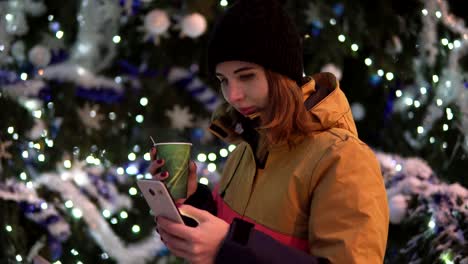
{"points": [[300, 186]]}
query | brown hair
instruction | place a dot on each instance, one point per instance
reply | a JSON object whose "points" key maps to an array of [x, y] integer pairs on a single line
{"points": [[285, 114]]}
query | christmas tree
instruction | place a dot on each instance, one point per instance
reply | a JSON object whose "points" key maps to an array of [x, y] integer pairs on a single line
{"points": [[83, 85]]}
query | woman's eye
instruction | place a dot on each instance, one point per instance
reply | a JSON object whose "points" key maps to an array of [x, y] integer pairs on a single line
{"points": [[246, 77], [222, 81]]}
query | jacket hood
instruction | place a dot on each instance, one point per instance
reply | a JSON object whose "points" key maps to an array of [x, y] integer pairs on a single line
{"points": [[322, 96]]}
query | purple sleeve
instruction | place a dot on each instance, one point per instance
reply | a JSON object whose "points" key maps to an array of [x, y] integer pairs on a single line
{"points": [[244, 244], [202, 199]]}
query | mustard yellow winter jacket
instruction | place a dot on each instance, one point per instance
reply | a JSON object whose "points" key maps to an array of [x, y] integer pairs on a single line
{"points": [[326, 196]]}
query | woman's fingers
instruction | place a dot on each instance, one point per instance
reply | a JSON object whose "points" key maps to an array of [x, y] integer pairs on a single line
{"points": [[153, 153], [192, 179]]}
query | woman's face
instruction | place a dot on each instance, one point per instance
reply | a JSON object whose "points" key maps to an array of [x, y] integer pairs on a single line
{"points": [[244, 85]]}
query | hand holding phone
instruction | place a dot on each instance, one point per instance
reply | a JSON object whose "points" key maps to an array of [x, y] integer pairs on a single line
{"points": [[161, 203]]}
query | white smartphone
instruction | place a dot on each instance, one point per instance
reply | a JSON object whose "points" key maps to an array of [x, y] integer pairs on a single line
{"points": [[159, 199]]}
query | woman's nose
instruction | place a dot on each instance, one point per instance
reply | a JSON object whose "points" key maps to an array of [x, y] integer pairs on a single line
{"points": [[235, 93]]}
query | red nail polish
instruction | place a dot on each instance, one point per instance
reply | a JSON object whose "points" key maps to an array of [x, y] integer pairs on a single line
{"points": [[159, 161], [164, 174]]}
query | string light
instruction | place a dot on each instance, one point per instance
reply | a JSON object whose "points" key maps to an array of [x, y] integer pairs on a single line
{"points": [[420, 129], [389, 76], [139, 118], [431, 140], [104, 255], [223, 3], [59, 34], [10, 130], [144, 101], [116, 39], [131, 156], [74, 252], [201, 157], [120, 171], [231, 148], [8, 228], [424, 12], [41, 157], [380, 72], [147, 156], [398, 93], [114, 221], [341, 38], [132, 191], [368, 61], [446, 258], [106, 213], [68, 204], [131, 170], [212, 157], [123, 215], [112, 116], [9, 17], [435, 78], [445, 127], [416, 104], [449, 113], [135, 229], [19, 258], [77, 213], [423, 90], [223, 152], [398, 167], [24, 76], [431, 224], [37, 113], [444, 41], [15, 136], [439, 102], [408, 101], [204, 180], [354, 47], [23, 176], [211, 167], [67, 164], [438, 14]]}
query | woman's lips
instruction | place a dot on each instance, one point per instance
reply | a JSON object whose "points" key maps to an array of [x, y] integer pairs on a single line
{"points": [[247, 110]]}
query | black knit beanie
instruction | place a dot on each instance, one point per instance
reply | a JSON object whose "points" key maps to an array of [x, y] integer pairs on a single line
{"points": [[257, 31]]}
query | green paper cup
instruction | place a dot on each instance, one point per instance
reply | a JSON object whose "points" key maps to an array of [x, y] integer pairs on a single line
{"points": [[177, 157]]}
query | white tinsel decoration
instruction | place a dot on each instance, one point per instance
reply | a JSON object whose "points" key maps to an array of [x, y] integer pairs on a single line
{"points": [[99, 228], [98, 23], [59, 229], [193, 25], [79, 75], [398, 206], [24, 88]]}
